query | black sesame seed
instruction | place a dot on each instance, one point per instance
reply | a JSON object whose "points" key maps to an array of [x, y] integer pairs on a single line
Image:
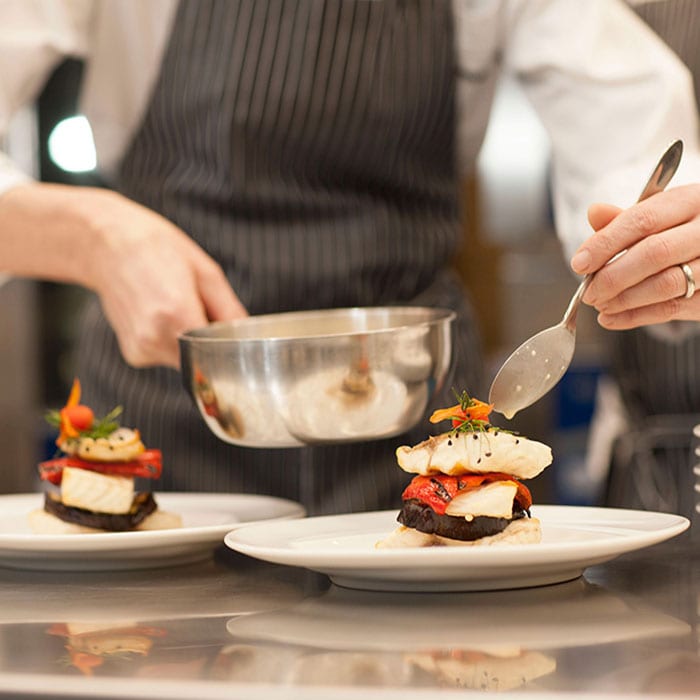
{"points": [[487, 454]]}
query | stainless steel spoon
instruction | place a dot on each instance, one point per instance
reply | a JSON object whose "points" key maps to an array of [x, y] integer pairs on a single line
{"points": [[540, 362]]}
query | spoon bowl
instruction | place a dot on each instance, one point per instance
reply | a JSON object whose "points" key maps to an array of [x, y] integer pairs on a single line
{"points": [[540, 362]]}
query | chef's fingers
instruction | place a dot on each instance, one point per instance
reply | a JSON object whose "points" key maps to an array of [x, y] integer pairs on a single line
{"points": [[676, 309], [658, 213], [646, 259], [149, 304], [600, 215], [218, 298], [143, 346], [210, 298], [149, 337], [667, 285]]}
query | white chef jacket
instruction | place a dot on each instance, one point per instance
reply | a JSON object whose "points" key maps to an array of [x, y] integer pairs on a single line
{"points": [[611, 95]]}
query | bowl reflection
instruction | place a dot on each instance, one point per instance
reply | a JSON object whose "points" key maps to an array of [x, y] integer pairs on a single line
{"points": [[308, 377]]}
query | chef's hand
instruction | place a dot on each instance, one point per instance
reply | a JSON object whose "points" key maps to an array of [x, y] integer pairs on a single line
{"points": [[646, 285], [153, 281]]}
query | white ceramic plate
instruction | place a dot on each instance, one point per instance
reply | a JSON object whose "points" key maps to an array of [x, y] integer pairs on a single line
{"points": [[206, 517], [343, 547]]}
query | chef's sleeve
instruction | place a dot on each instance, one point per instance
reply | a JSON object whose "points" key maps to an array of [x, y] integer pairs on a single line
{"points": [[35, 36], [611, 95]]}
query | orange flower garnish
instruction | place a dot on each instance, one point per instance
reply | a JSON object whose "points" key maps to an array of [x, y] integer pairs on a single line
{"points": [[467, 410], [66, 428]]}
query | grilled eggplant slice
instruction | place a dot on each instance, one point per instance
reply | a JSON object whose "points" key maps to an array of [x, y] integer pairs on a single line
{"points": [[142, 506]]}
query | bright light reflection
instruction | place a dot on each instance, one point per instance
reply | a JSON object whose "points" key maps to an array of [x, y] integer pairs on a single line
{"points": [[71, 146]]}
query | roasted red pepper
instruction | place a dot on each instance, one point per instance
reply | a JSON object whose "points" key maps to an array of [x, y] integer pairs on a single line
{"points": [[148, 464]]}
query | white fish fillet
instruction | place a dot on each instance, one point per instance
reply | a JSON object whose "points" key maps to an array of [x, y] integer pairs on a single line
{"points": [[477, 452], [100, 493], [494, 500]]}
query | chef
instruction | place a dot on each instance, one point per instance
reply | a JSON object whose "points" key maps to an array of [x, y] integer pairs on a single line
{"points": [[271, 155]]}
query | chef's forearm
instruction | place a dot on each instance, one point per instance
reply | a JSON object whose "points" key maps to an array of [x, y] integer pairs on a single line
{"points": [[50, 231]]}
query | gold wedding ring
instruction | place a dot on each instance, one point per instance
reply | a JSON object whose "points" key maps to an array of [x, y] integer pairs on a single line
{"points": [[689, 280]]}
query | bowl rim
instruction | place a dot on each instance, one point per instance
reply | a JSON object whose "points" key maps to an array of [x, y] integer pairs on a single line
{"points": [[201, 335]]}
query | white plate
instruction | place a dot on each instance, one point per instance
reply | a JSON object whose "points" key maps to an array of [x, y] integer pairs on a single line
{"points": [[343, 547], [206, 517]]}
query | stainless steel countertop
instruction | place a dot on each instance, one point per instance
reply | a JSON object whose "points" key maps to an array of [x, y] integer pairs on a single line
{"points": [[233, 627]]}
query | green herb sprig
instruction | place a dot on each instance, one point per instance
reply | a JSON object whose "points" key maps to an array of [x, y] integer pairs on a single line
{"points": [[101, 428]]}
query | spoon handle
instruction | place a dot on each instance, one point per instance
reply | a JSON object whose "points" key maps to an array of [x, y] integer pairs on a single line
{"points": [[659, 178], [569, 319]]}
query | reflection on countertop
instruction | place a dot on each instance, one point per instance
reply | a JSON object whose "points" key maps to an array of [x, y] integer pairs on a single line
{"points": [[234, 624], [486, 641]]}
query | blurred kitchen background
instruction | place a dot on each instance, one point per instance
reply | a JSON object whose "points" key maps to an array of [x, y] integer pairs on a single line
{"points": [[512, 262]]}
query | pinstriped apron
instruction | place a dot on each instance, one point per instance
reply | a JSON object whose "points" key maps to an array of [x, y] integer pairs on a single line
{"points": [[308, 146]]}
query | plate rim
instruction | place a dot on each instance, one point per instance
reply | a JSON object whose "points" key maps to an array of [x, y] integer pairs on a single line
{"points": [[519, 553]]}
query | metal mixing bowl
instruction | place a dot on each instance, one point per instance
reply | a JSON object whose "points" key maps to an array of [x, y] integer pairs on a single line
{"points": [[309, 377]]}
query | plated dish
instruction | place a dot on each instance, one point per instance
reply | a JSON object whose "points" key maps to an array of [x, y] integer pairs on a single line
{"points": [[344, 548], [468, 485], [93, 476], [91, 515], [206, 518]]}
